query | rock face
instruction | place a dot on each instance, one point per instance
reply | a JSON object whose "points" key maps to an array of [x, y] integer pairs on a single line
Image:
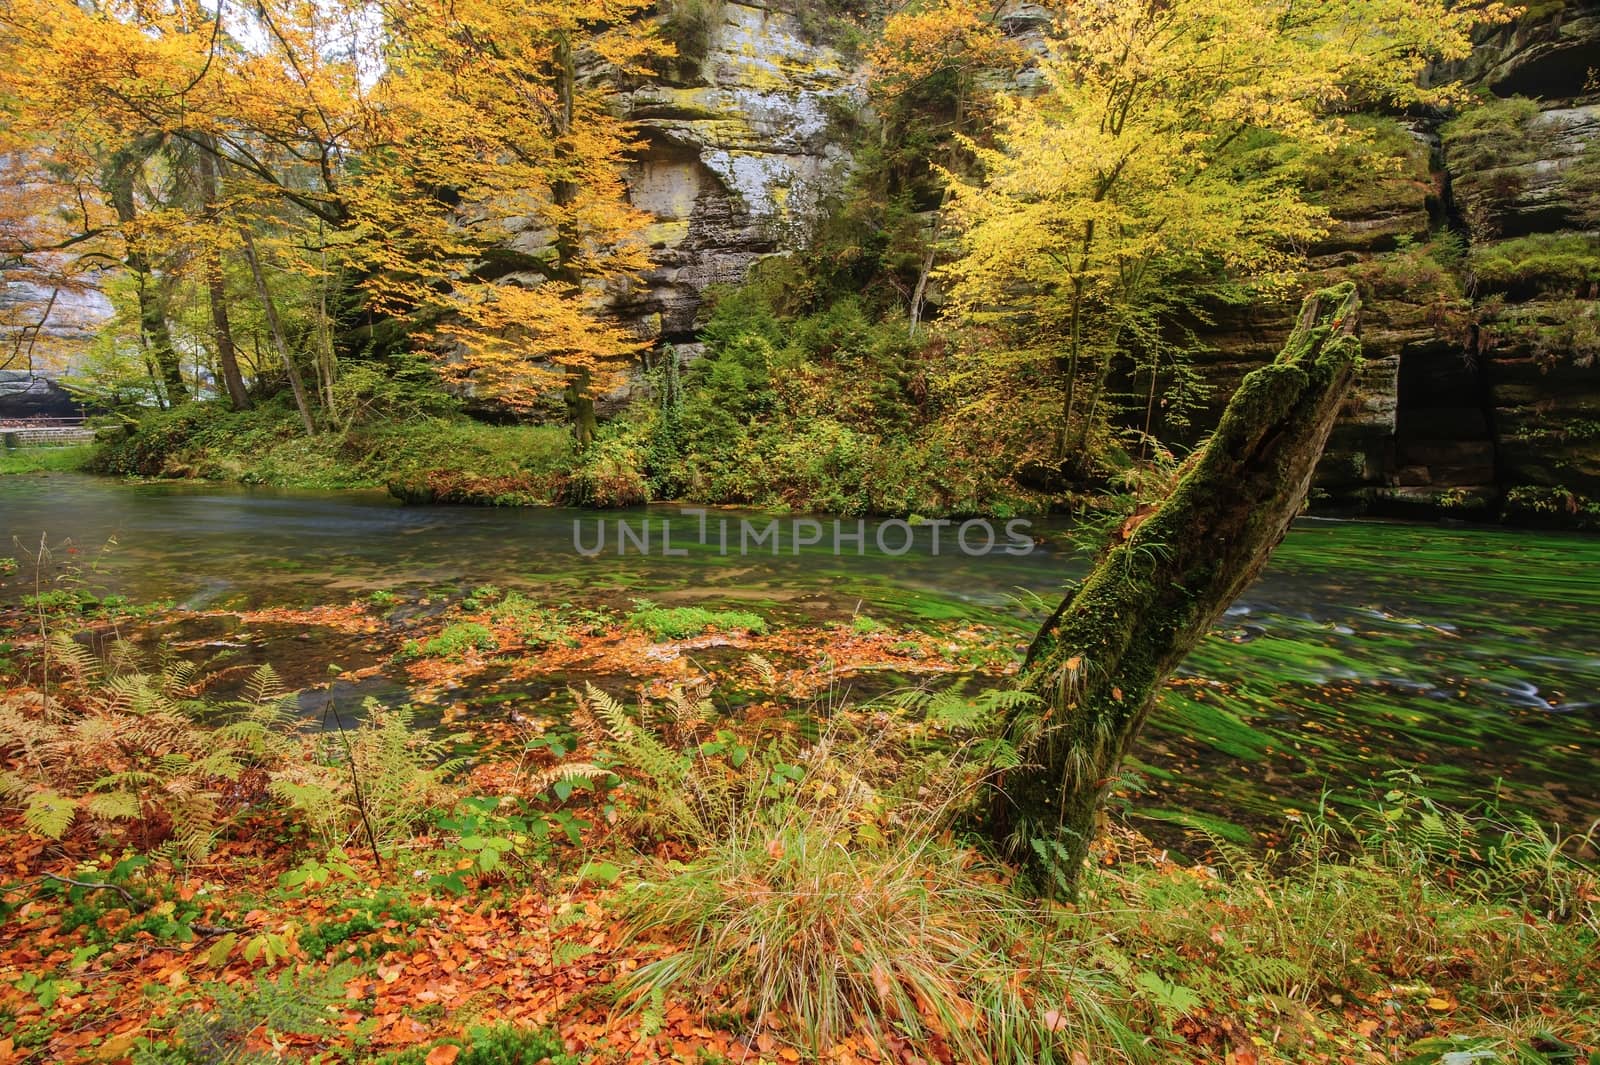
{"points": [[740, 147], [1479, 267]]}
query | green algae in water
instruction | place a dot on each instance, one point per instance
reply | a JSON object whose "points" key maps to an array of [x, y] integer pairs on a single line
{"points": [[1468, 654]]}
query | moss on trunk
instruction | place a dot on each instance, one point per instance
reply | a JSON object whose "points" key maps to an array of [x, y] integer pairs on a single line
{"points": [[1099, 663]]}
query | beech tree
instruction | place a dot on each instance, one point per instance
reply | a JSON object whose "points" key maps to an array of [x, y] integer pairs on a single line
{"points": [[1158, 174]]}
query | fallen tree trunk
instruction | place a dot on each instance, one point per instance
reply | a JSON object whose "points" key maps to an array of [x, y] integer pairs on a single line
{"points": [[1099, 663]]}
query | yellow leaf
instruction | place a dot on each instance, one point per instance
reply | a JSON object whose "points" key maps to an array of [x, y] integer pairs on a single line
{"points": [[217, 956], [1438, 1004]]}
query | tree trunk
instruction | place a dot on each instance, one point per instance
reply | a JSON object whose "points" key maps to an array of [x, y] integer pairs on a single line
{"points": [[580, 407], [275, 327], [120, 175], [222, 331], [217, 289], [1099, 663]]}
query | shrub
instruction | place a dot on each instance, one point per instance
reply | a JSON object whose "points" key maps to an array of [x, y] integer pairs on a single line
{"points": [[610, 473]]}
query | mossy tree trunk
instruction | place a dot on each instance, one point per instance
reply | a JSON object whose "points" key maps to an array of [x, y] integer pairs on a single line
{"points": [[1099, 663]]}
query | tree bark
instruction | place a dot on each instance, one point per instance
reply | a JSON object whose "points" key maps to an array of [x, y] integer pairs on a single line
{"points": [[275, 327], [580, 407], [217, 289], [1099, 663], [120, 175]]}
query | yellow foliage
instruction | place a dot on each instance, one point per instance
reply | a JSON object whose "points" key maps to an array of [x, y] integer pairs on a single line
{"points": [[415, 149], [1160, 171]]}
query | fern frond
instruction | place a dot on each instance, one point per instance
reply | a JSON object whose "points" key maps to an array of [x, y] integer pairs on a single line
{"points": [[113, 805], [75, 658], [572, 771], [263, 688], [766, 672], [48, 813]]}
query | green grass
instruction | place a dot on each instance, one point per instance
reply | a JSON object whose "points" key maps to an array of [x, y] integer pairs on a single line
{"points": [[45, 459], [800, 911]]}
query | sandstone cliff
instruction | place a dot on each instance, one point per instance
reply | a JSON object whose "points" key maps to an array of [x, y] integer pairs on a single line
{"points": [[1478, 259]]}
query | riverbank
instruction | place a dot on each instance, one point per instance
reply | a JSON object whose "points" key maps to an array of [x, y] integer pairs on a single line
{"points": [[456, 459], [737, 861], [46, 459], [424, 459]]}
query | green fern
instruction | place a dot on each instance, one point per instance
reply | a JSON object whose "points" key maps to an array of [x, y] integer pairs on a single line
{"points": [[49, 813]]}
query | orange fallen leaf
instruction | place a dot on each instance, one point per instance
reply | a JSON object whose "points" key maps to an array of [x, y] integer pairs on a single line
{"points": [[444, 1054]]}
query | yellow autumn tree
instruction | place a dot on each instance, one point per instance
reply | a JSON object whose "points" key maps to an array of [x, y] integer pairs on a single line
{"points": [[1159, 173], [432, 172], [495, 112]]}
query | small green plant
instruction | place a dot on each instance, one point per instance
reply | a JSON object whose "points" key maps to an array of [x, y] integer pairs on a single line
{"points": [[502, 1044], [453, 641], [537, 626], [502, 837], [862, 625], [682, 622], [683, 777], [299, 1003]]}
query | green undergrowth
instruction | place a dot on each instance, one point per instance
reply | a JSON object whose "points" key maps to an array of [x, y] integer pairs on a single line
{"points": [[827, 888], [831, 410], [808, 885], [453, 641], [443, 458]]}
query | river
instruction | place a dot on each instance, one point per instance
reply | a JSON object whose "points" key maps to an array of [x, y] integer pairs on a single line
{"points": [[1471, 655]]}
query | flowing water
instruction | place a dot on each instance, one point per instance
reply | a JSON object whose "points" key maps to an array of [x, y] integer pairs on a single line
{"points": [[1472, 654]]}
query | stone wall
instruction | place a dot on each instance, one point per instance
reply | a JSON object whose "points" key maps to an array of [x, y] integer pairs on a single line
{"points": [[25, 395]]}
